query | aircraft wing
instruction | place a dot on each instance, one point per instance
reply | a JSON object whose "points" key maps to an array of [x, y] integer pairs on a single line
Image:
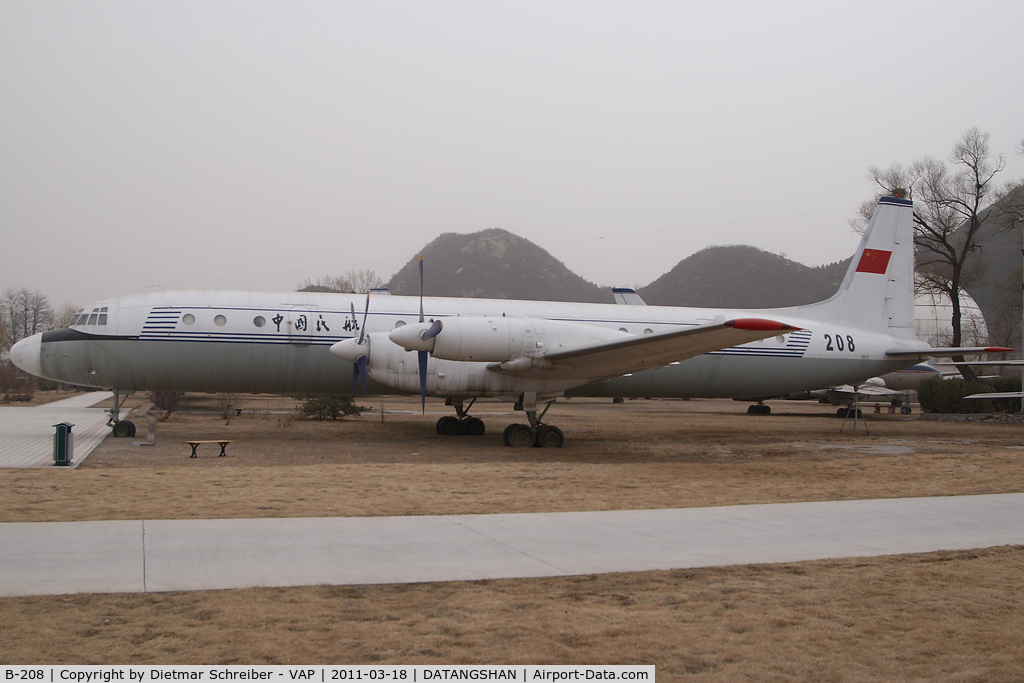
{"points": [[866, 390], [946, 351], [622, 356], [999, 394]]}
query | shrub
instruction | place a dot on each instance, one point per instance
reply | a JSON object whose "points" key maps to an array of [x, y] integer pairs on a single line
{"points": [[939, 395], [329, 407]]}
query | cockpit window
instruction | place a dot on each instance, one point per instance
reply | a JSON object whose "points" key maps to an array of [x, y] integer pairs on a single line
{"points": [[103, 318], [92, 319]]}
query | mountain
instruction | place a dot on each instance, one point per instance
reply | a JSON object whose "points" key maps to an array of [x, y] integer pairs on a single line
{"points": [[494, 264], [743, 277], [995, 282]]}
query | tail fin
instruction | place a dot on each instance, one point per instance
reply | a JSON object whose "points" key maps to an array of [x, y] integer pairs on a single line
{"points": [[878, 290]]}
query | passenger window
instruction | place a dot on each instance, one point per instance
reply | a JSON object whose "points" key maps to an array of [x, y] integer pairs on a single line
{"points": [[259, 321]]}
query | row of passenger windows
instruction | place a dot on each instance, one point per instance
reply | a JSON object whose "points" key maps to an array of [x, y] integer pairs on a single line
{"points": [[97, 317], [219, 320]]}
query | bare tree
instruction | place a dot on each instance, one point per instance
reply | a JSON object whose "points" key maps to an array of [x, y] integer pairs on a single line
{"points": [[228, 405], [355, 281], [62, 316], [25, 312], [948, 200]]}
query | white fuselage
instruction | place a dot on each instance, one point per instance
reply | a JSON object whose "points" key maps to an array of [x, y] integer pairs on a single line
{"points": [[219, 341]]}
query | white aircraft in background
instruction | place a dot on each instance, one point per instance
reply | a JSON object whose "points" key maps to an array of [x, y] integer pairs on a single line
{"points": [[528, 353]]}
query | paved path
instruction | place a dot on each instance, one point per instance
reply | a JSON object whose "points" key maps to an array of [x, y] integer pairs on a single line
{"points": [[26, 434], [170, 555]]}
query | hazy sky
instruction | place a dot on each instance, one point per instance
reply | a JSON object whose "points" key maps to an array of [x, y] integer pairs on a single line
{"points": [[249, 145]]}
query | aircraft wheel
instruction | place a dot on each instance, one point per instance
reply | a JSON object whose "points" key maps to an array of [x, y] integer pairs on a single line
{"points": [[448, 426], [472, 426], [123, 429], [759, 410], [520, 436], [504, 435], [905, 410], [550, 436], [617, 399]]}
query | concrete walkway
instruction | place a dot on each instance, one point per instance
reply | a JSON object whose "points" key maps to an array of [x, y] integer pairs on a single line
{"points": [[26, 434], [171, 555]]}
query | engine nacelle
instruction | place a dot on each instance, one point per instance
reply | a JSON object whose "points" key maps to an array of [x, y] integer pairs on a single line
{"points": [[497, 339]]}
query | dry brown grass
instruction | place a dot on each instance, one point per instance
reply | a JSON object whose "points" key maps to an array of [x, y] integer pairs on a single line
{"points": [[644, 454], [940, 616]]}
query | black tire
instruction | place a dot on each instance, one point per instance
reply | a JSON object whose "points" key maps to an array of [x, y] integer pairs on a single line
{"points": [[123, 429], [617, 399], [448, 426], [472, 426], [759, 410], [906, 410], [520, 436], [550, 436], [504, 435]]}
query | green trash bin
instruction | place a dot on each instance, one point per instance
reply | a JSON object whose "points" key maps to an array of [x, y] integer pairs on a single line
{"points": [[63, 444]]}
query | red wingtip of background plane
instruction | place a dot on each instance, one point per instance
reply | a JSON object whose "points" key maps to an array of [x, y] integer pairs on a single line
{"points": [[998, 349], [760, 325]]}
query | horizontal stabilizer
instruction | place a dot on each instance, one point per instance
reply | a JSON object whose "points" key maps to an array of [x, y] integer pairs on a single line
{"points": [[1003, 394], [984, 362], [946, 351]]}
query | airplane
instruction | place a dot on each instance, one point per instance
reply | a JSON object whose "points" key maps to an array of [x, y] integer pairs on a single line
{"points": [[529, 353], [892, 386]]}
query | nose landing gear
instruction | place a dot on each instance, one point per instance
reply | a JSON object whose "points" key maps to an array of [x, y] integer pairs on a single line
{"points": [[120, 428]]}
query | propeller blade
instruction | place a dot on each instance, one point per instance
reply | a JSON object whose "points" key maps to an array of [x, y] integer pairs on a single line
{"points": [[421, 287], [422, 356], [361, 364], [362, 330], [355, 379], [432, 331]]}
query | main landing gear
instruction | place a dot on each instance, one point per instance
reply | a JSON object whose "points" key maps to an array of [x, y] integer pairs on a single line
{"points": [[463, 424], [515, 435], [759, 409], [536, 433]]}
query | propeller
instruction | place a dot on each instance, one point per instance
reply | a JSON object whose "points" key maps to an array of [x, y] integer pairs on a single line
{"points": [[359, 365], [422, 356]]}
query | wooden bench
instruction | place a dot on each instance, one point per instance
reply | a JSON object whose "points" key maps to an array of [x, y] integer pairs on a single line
{"points": [[195, 445]]}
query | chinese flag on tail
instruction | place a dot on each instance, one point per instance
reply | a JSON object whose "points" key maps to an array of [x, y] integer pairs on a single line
{"points": [[874, 261]]}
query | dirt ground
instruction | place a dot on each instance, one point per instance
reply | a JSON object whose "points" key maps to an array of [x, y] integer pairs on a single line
{"points": [[940, 616]]}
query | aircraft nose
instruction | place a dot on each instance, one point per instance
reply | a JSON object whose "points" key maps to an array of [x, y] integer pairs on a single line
{"points": [[349, 349], [25, 354]]}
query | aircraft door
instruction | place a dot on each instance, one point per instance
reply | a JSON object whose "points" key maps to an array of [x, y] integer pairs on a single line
{"points": [[298, 321]]}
